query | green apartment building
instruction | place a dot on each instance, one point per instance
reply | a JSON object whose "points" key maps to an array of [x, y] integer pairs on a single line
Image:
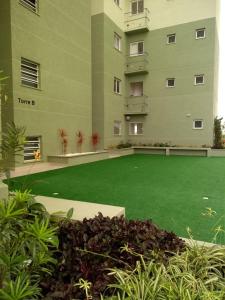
{"points": [[143, 71]]}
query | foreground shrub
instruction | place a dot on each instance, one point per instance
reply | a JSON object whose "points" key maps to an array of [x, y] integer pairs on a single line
{"points": [[28, 242], [197, 273], [90, 247]]}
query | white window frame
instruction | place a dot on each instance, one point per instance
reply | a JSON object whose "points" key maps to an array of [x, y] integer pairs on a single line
{"points": [[137, 3], [167, 82], [117, 125], [135, 131], [117, 42], [200, 37], [117, 2], [197, 76], [168, 38], [117, 85], [31, 6], [141, 83], [30, 73], [32, 140], [198, 120], [136, 44]]}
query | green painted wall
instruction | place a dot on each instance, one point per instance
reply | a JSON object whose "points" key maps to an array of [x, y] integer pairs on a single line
{"points": [[6, 62], [107, 63], [168, 107], [63, 49]]}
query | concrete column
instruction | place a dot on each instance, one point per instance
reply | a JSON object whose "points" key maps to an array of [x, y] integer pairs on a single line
{"points": [[3, 190]]}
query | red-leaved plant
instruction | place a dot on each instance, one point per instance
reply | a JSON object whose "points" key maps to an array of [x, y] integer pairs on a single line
{"points": [[80, 139], [95, 138], [64, 140]]}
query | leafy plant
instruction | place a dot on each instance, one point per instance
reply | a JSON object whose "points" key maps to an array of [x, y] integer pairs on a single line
{"points": [[95, 139], [218, 143], [80, 139], [64, 140], [122, 145], [28, 241], [196, 273], [89, 247]]}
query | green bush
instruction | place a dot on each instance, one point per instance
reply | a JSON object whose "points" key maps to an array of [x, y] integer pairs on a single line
{"points": [[218, 142], [28, 242]]}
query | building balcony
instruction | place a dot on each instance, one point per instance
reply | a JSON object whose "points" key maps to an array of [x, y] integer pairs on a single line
{"points": [[137, 22], [136, 105], [137, 64]]}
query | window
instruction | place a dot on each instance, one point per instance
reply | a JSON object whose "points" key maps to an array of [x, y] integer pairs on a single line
{"points": [[170, 82], [135, 128], [32, 147], [136, 89], [117, 128], [198, 124], [117, 41], [137, 6], [29, 73], [31, 4], [137, 48], [117, 86], [199, 79], [171, 38], [117, 2], [200, 33]]}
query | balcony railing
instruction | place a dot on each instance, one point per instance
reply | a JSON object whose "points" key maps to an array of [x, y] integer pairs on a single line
{"points": [[137, 22], [136, 105], [137, 64]]}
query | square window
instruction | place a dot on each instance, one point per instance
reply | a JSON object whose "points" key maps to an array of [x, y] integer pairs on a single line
{"points": [[117, 2], [117, 86], [170, 82], [171, 38], [200, 33], [30, 4], [32, 148], [30, 73], [117, 41], [199, 79], [137, 48], [198, 124], [135, 128], [117, 128]]}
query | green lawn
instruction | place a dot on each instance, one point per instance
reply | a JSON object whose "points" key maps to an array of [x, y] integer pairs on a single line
{"points": [[172, 191]]}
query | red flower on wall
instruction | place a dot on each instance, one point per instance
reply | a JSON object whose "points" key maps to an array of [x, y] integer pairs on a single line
{"points": [[95, 138], [64, 140], [80, 139]]}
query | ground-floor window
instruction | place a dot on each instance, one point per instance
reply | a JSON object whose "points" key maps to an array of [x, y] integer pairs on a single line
{"points": [[135, 128], [117, 128], [32, 148]]}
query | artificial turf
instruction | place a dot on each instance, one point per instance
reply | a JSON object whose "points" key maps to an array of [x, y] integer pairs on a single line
{"points": [[173, 191]]}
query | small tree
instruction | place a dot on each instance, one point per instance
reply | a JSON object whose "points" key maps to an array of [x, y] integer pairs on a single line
{"points": [[218, 143], [64, 140], [95, 138], [80, 140]]}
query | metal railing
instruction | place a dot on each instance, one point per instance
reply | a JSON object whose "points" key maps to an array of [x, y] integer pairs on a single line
{"points": [[137, 21]]}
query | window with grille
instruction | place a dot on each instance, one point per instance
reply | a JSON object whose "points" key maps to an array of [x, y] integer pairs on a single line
{"points": [[31, 4], [31, 147], [137, 7], [117, 128], [135, 128], [117, 86], [199, 79], [198, 124], [200, 33], [170, 82], [137, 48], [171, 38], [30, 73], [117, 41]]}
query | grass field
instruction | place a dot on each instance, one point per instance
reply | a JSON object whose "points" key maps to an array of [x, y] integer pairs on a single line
{"points": [[173, 191]]}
